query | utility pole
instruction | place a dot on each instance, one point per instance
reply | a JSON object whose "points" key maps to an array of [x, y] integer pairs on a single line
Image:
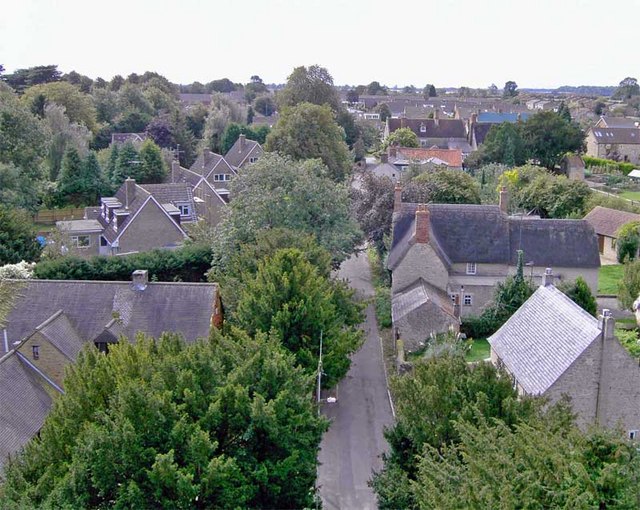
{"points": [[319, 372]]}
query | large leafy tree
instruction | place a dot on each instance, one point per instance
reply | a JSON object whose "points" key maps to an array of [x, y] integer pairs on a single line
{"points": [[223, 423], [403, 137], [277, 192], [311, 84], [307, 131], [152, 167], [222, 111], [510, 89], [372, 205], [288, 298], [504, 144], [443, 186], [17, 237], [80, 182], [627, 89], [548, 136], [22, 79], [629, 287]]}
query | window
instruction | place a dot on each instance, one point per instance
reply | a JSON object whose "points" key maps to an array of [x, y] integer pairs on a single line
{"points": [[633, 434], [467, 300], [102, 347], [185, 210], [221, 177], [253, 160], [423, 128], [454, 298], [81, 241], [471, 268], [35, 349]]}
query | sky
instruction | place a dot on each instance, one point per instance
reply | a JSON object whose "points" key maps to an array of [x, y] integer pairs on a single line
{"points": [[450, 43]]}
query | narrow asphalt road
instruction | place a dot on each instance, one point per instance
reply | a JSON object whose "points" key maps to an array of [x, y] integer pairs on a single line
{"points": [[351, 448]]}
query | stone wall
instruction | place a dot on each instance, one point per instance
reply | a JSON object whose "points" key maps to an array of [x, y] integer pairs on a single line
{"points": [[50, 360], [151, 228], [421, 261]]}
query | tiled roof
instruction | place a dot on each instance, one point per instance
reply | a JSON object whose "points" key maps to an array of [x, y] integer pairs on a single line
{"points": [[607, 221], [62, 335], [543, 338], [629, 135], [241, 150], [451, 157], [618, 122], [418, 294], [209, 163], [172, 193], [483, 234], [427, 128]]}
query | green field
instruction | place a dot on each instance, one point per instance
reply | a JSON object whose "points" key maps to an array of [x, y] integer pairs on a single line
{"points": [[630, 195], [480, 350], [608, 278]]}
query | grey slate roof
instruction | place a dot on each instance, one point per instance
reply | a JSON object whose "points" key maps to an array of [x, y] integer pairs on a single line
{"points": [[607, 221], [543, 338], [418, 294], [91, 306], [209, 162], [617, 135], [24, 404], [445, 128], [483, 234], [618, 122], [237, 157], [62, 335], [173, 193]]}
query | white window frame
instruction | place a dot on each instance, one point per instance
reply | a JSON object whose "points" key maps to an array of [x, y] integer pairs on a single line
{"points": [[467, 300], [185, 209], [472, 268], [75, 240], [253, 160], [423, 128], [633, 434], [35, 351], [221, 177]]}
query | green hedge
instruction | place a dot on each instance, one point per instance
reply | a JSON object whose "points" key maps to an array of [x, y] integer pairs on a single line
{"points": [[625, 168], [188, 264], [383, 306]]}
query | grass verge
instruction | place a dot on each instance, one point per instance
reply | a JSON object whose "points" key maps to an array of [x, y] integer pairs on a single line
{"points": [[480, 350], [609, 277]]}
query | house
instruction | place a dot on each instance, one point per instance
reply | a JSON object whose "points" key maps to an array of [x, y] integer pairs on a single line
{"points": [[190, 100], [402, 157], [215, 169], [134, 138], [243, 152], [616, 122], [605, 223], [552, 348], [52, 320], [618, 144], [479, 124], [433, 132], [465, 250], [139, 217]]}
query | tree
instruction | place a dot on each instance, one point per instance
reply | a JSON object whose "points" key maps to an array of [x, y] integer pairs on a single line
{"points": [[254, 88], [627, 89], [403, 137], [152, 167], [222, 111], [290, 300], [504, 144], [353, 96], [443, 186], [548, 137], [277, 192], [80, 182], [64, 134], [384, 111], [221, 423], [309, 131], [309, 85], [580, 293], [223, 85], [564, 112], [78, 106], [629, 287], [429, 91], [17, 237], [510, 89], [375, 89], [628, 241], [492, 89], [22, 79], [126, 165], [264, 105], [372, 206], [161, 131]]}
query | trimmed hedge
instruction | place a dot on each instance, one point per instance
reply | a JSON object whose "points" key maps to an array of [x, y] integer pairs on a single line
{"points": [[625, 168], [187, 264]]}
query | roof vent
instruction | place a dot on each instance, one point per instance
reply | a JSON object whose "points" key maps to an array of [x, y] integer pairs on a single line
{"points": [[140, 279]]}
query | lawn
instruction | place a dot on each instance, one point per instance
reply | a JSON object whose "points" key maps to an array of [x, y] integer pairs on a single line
{"points": [[480, 350], [630, 195], [608, 278]]}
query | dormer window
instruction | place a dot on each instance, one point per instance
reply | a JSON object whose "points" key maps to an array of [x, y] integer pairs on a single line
{"points": [[185, 210], [35, 350], [471, 268], [423, 128]]}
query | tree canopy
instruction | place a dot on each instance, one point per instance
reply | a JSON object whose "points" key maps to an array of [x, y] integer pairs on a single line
{"points": [[17, 237], [311, 84], [403, 137]]}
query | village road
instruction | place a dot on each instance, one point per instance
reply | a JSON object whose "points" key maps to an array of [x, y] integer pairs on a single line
{"points": [[351, 448]]}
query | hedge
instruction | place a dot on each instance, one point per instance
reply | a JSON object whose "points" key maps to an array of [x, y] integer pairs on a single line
{"points": [[625, 168], [187, 264]]}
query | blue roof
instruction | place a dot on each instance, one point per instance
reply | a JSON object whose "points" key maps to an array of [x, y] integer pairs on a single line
{"points": [[499, 118]]}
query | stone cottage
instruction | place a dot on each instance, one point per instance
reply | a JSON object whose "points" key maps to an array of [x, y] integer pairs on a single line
{"points": [[605, 223], [552, 348]]}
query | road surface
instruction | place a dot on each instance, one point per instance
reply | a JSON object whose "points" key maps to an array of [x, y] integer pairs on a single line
{"points": [[351, 448]]}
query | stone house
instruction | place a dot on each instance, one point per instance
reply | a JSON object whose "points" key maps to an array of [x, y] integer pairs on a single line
{"points": [[441, 133], [616, 122], [463, 251], [243, 152], [617, 144], [605, 223], [82, 237], [52, 320], [572, 166], [552, 348]]}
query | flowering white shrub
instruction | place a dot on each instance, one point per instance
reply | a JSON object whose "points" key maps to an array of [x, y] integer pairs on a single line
{"points": [[20, 271]]}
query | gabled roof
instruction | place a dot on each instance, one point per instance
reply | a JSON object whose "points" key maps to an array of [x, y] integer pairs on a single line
{"points": [[208, 163], [24, 404], [418, 294], [90, 307], [481, 131], [445, 128], [172, 193], [62, 335], [483, 234], [607, 221], [450, 157], [239, 153], [544, 338], [121, 138], [617, 122], [629, 135]]}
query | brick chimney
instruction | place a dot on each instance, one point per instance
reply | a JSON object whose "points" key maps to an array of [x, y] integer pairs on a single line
{"points": [[243, 141], [422, 224], [504, 200], [397, 198], [393, 151], [384, 157], [474, 118], [175, 170], [436, 117], [607, 325], [129, 191], [547, 277], [140, 279]]}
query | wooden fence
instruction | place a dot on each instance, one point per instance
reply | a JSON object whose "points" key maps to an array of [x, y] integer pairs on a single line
{"points": [[50, 216]]}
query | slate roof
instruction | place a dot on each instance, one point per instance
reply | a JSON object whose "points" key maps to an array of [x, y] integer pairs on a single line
{"points": [[618, 122], [208, 163], [62, 335], [629, 135], [172, 193], [483, 234], [446, 128], [607, 221], [236, 156], [24, 404], [481, 131], [121, 138], [90, 306], [544, 338], [418, 294]]}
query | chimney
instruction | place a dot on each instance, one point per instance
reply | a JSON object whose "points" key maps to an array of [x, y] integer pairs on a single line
{"points": [[547, 278], [129, 191], [504, 200], [393, 151], [384, 157], [140, 279], [607, 325], [397, 198], [474, 118], [175, 170], [422, 224], [243, 140], [436, 117]]}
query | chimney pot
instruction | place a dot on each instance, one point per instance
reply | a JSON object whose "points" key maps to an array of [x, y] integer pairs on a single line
{"points": [[547, 278], [243, 140], [607, 324], [140, 279], [422, 224], [504, 200]]}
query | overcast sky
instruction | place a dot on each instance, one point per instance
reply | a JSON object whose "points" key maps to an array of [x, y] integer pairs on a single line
{"points": [[543, 43]]}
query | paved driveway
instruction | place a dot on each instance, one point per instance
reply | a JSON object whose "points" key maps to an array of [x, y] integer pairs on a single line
{"points": [[351, 448]]}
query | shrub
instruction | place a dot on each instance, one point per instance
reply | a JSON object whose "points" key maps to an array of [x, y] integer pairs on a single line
{"points": [[608, 164]]}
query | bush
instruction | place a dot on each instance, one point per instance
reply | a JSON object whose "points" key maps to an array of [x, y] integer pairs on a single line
{"points": [[625, 168], [187, 264], [383, 307], [479, 327]]}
